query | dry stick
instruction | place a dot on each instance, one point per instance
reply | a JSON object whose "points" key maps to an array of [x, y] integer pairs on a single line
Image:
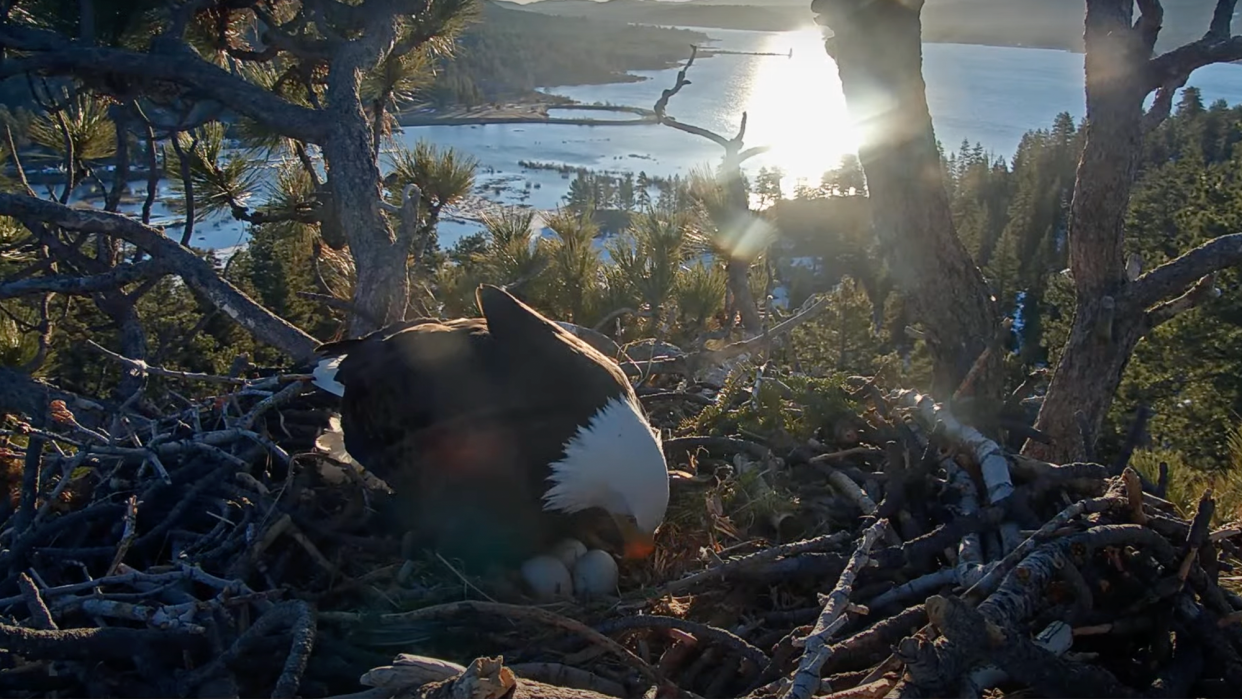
{"points": [[970, 565], [284, 395], [869, 690], [1134, 494], [987, 584], [818, 543], [1198, 534], [806, 679], [128, 535], [987, 453], [295, 613], [301, 644], [94, 645], [566, 676], [1056, 638], [701, 631], [851, 490], [39, 614], [144, 368], [510, 611]]}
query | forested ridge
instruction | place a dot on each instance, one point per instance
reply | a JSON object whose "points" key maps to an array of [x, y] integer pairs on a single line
{"points": [[1054, 24], [508, 53]]}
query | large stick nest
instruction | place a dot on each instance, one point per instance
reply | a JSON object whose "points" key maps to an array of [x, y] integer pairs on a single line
{"points": [[824, 537]]}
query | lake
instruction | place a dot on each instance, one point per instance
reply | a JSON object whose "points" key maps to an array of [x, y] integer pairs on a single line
{"points": [[986, 94]]}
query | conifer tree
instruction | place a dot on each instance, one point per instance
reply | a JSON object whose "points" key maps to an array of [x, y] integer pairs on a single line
{"points": [[876, 45]]}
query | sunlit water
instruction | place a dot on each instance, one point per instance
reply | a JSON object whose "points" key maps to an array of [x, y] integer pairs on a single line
{"points": [[992, 95]]}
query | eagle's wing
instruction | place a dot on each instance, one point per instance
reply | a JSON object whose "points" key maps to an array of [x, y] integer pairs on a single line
{"points": [[398, 385]]}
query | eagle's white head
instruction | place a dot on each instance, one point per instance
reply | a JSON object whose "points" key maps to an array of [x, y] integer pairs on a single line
{"points": [[615, 462]]}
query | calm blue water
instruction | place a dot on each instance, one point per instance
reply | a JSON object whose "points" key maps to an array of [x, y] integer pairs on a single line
{"points": [[992, 95]]}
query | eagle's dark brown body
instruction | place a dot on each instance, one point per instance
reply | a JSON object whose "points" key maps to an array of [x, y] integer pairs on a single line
{"points": [[462, 418]]}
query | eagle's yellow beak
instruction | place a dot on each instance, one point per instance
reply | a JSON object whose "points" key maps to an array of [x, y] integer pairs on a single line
{"points": [[637, 543]]}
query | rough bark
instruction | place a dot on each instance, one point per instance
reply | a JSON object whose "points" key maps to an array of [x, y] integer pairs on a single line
{"points": [[1111, 313], [1104, 331], [381, 291], [877, 46]]}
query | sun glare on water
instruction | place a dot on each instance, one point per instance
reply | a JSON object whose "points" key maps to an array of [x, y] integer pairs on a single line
{"points": [[796, 108]]}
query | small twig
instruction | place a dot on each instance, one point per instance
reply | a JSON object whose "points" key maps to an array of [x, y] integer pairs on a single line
{"points": [[461, 576], [818, 543], [701, 631], [144, 369], [130, 533]]}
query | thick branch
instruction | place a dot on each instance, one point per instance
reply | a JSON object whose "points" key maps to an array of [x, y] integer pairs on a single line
{"points": [[54, 53], [1179, 63], [1222, 20], [63, 284], [1150, 21], [197, 272], [1169, 310], [1173, 278]]}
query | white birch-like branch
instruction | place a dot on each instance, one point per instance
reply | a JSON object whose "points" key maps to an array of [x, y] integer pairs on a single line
{"points": [[816, 647], [987, 453]]}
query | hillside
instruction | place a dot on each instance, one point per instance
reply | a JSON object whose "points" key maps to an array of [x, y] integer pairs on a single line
{"points": [[1046, 23], [510, 52]]}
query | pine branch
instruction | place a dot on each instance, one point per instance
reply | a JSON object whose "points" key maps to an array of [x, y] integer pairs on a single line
{"points": [[53, 53], [66, 284], [197, 272]]}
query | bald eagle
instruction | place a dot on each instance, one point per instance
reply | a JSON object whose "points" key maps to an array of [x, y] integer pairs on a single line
{"points": [[500, 435]]}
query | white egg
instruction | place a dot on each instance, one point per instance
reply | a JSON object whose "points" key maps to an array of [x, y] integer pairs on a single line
{"points": [[547, 577], [568, 551], [595, 574]]}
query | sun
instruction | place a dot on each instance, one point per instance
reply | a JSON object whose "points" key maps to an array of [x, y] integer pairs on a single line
{"points": [[796, 107]]}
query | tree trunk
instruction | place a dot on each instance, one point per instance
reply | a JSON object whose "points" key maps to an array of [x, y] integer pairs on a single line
{"points": [[877, 47], [382, 286], [738, 271], [738, 267], [1092, 363], [1108, 323]]}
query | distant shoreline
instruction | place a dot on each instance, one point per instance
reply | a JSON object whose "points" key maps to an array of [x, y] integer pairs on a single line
{"points": [[525, 112]]}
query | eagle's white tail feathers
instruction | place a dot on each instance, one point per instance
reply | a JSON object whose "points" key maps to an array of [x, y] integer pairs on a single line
{"points": [[325, 375]]}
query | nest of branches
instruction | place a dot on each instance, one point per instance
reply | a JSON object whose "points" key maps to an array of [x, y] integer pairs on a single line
{"points": [[825, 537]]}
